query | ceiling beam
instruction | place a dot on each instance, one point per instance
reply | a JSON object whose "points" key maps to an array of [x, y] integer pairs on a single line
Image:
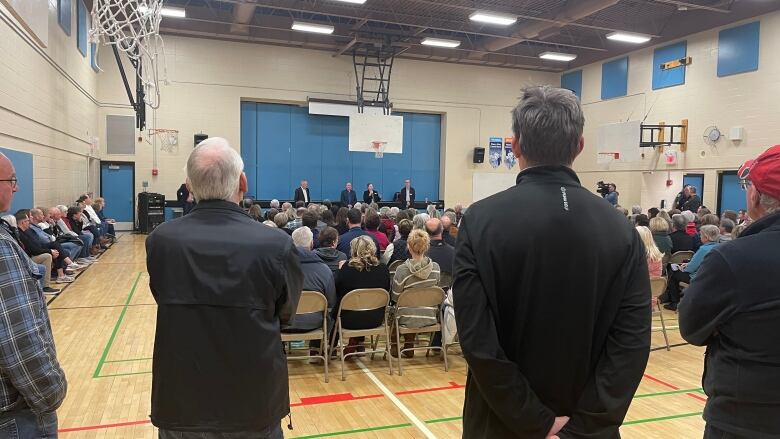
{"points": [[689, 5], [571, 13], [243, 13]]}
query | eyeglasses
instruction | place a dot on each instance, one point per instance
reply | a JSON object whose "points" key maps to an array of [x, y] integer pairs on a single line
{"points": [[13, 182], [744, 183]]}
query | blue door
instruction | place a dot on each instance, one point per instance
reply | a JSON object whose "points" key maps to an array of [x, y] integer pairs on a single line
{"points": [[117, 182], [697, 181], [730, 194]]}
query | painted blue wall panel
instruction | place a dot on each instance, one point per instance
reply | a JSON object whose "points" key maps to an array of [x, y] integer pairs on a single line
{"points": [[614, 78], [93, 57], [273, 151], [573, 82], [81, 27], [116, 186], [336, 158], [306, 152], [64, 15], [249, 144], [23, 164], [738, 49], [292, 145], [696, 181], [671, 77], [732, 197]]}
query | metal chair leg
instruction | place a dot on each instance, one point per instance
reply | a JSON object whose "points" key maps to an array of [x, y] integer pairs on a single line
{"points": [[663, 326]]}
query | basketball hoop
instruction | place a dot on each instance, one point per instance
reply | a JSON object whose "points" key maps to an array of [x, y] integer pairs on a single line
{"points": [[613, 155], [379, 148], [168, 138], [133, 26]]}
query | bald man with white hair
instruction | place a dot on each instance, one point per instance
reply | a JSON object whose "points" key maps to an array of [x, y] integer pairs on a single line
{"points": [[225, 285]]}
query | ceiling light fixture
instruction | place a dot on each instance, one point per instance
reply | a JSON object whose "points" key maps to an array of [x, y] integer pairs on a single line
{"points": [[312, 27], [558, 56], [357, 2], [440, 42], [629, 37], [493, 18], [166, 11]]}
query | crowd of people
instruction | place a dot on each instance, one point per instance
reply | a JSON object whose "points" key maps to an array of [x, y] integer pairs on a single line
{"points": [[62, 240]]}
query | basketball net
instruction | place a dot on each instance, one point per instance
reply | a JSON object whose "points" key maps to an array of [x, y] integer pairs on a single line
{"points": [[379, 148], [133, 26]]}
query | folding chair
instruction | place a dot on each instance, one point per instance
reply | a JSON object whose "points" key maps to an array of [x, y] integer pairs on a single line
{"points": [[680, 257], [368, 299], [419, 298], [312, 302], [445, 281], [394, 266], [658, 287]]}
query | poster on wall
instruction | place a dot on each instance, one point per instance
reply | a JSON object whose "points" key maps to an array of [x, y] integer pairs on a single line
{"points": [[510, 158], [495, 151]]}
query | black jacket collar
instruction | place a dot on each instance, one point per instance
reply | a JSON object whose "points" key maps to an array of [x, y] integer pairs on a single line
{"points": [[548, 173], [771, 221], [206, 205]]}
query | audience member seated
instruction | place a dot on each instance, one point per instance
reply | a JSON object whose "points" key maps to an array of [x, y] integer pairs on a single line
{"points": [[660, 229], [706, 220], [652, 212], [681, 240], [328, 219], [62, 232], [43, 267], [666, 217], [397, 251], [270, 223], [362, 270], [342, 225], [281, 219], [742, 217], [622, 210], [726, 230], [432, 211], [355, 220], [256, 213], [372, 228], [730, 214], [270, 214], [99, 205], [418, 221], [71, 248], [92, 221], [309, 219], [687, 272], [390, 229], [274, 204], [738, 230], [635, 210], [450, 229], [74, 222], [652, 253], [417, 272], [329, 239], [690, 219], [51, 258], [642, 220], [440, 252], [316, 277]]}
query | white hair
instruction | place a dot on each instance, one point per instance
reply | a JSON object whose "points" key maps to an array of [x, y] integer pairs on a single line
{"points": [[770, 204], [214, 170], [357, 206], [270, 223], [418, 221], [636, 210], [10, 219], [711, 232], [689, 216], [303, 237], [275, 203], [63, 209]]}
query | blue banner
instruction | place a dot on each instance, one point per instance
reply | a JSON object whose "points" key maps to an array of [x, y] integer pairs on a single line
{"points": [[495, 151], [510, 159]]}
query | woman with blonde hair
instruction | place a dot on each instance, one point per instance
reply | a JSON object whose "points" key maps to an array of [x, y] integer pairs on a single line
{"points": [[653, 255], [419, 271], [660, 229], [361, 270]]}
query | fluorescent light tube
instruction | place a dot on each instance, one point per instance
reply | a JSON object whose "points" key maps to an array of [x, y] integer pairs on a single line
{"points": [[557, 56], [166, 11], [439, 42], [628, 37], [312, 27], [357, 2], [493, 18]]}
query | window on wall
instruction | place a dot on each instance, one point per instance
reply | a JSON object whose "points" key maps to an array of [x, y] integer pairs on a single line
{"points": [[81, 30], [63, 15]]}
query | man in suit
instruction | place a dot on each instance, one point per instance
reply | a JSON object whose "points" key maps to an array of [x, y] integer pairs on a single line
{"points": [[302, 193], [218, 265], [556, 341], [348, 197], [406, 197]]}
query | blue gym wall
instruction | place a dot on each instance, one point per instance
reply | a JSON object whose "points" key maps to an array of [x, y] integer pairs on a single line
{"points": [[283, 144], [23, 164]]}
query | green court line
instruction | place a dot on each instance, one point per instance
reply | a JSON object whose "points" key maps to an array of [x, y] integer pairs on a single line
{"points": [[671, 392], [662, 418], [116, 329], [125, 374], [436, 421], [128, 360]]}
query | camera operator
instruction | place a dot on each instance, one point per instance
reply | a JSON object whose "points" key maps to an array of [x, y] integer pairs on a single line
{"points": [[609, 192]]}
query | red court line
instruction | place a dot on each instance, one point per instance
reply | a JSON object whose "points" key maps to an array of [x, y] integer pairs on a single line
{"points": [[327, 399], [673, 387], [453, 385], [99, 427]]}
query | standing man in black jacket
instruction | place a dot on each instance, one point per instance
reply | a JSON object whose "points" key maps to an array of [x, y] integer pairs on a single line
{"points": [[733, 308], [348, 197], [554, 322], [302, 193], [407, 194], [224, 285]]}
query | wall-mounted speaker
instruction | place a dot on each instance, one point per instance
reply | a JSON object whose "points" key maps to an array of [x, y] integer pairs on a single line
{"points": [[479, 155], [199, 138]]}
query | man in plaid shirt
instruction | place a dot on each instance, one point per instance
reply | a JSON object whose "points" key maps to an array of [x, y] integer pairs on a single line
{"points": [[32, 383]]}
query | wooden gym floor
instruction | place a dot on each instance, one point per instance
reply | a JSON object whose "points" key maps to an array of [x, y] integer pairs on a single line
{"points": [[104, 330]]}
